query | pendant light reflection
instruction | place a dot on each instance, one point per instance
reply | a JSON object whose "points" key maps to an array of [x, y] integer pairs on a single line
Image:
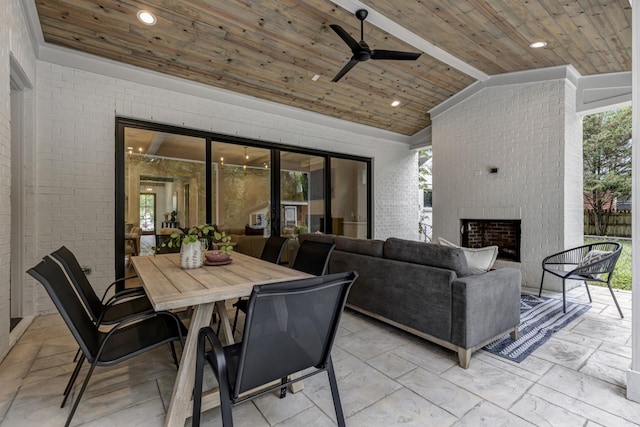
{"points": [[246, 157]]}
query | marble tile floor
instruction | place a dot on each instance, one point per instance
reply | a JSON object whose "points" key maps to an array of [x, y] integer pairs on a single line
{"points": [[386, 378]]}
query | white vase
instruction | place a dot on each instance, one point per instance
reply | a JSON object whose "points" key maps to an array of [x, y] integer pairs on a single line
{"points": [[191, 255]]}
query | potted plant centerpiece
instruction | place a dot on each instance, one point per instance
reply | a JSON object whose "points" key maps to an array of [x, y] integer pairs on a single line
{"points": [[195, 242]]}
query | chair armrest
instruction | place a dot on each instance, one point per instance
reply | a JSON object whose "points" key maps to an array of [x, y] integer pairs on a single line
{"points": [[125, 293], [484, 306], [219, 360]]}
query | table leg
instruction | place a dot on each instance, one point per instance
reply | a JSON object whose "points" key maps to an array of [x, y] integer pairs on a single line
{"points": [[180, 406], [225, 325]]}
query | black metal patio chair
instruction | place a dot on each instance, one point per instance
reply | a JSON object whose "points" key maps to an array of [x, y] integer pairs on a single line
{"points": [[290, 327], [594, 262], [103, 311], [313, 257], [272, 252], [134, 336]]}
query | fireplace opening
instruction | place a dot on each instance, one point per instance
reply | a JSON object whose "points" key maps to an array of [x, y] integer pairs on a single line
{"points": [[503, 233]]}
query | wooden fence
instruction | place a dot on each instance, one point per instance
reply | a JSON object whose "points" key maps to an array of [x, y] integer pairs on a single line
{"points": [[619, 224]]}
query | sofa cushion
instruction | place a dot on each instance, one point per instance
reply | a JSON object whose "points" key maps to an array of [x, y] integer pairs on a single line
{"points": [[479, 260], [251, 231], [360, 246], [318, 237], [426, 254]]}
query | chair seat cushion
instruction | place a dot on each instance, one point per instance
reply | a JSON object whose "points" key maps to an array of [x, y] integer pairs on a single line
{"points": [[566, 275], [128, 341]]}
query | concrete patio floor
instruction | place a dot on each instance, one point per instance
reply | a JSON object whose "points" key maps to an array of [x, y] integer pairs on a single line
{"points": [[386, 377]]}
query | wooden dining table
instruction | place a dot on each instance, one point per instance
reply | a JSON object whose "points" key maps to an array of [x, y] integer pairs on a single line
{"points": [[170, 287]]}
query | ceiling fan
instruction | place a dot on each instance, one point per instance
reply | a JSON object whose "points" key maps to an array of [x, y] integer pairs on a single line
{"points": [[361, 50]]}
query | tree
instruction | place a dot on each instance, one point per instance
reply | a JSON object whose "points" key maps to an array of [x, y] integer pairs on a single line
{"points": [[607, 163], [424, 169]]}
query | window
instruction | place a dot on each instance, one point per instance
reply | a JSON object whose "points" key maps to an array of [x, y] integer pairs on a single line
{"points": [[427, 198]]}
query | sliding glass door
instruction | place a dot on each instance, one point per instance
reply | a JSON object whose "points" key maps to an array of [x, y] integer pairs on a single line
{"points": [[170, 177]]}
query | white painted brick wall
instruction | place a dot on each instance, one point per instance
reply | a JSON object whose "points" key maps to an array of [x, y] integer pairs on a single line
{"points": [[14, 41], [75, 191], [532, 134]]}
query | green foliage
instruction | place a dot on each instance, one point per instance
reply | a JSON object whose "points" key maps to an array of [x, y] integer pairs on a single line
{"points": [[194, 234], [240, 191], [622, 273], [294, 185], [223, 242], [607, 163], [424, 169]]}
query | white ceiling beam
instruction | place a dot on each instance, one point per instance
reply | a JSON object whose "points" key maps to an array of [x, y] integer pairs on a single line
{"points": [[397, 30]]}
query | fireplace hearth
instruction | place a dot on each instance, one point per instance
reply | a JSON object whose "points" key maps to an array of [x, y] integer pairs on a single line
{"points": [[503, 233]]}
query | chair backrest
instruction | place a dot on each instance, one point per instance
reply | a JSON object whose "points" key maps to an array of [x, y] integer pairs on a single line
{"points": [[160, 239], [80, 281], [290, 326], [51, 276], [313, 257], [273, 249]]}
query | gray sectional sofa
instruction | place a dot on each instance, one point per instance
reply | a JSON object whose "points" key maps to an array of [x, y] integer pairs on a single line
{"points": [[425, 289]]}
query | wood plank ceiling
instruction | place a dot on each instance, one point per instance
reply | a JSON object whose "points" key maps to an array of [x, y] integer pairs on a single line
{"points": [[270, 49]]}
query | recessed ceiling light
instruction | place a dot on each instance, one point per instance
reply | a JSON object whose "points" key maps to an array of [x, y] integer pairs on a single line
{"points": [[147, 17], [315, 77], [395, 103], [537, 45]]}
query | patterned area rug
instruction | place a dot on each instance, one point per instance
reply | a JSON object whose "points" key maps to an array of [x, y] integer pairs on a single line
{"points": [[540, 317]]}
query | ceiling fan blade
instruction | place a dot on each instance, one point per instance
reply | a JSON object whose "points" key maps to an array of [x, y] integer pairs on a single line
{"points": [[352, 63], [350, 41], [392, 54]]}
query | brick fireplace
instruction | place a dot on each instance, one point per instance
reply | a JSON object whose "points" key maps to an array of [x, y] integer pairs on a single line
{"points": [[504, 233]]}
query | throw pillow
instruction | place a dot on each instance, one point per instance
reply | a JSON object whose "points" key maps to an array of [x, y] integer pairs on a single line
{"points": [[479, 260], [590, 258]]}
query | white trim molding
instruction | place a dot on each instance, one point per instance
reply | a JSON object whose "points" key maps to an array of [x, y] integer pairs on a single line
{"points": [[594, 93], [601, 92]]}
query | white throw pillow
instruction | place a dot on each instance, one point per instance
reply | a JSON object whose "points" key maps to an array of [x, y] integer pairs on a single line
{"points": [[479, 260]]}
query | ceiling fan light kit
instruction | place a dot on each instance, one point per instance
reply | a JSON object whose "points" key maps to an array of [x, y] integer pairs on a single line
{"points": [[362, 52]]}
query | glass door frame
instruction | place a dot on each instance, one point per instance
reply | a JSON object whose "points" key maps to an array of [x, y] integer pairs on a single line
{"points": [[121, 123]]}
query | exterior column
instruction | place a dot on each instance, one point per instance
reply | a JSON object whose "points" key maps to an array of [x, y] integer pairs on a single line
{"points": [[633, 374]]}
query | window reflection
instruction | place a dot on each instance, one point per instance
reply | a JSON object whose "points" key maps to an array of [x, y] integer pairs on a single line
{"points": [[241, 189], [301, 193], [349, 195], [164, 183]]}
